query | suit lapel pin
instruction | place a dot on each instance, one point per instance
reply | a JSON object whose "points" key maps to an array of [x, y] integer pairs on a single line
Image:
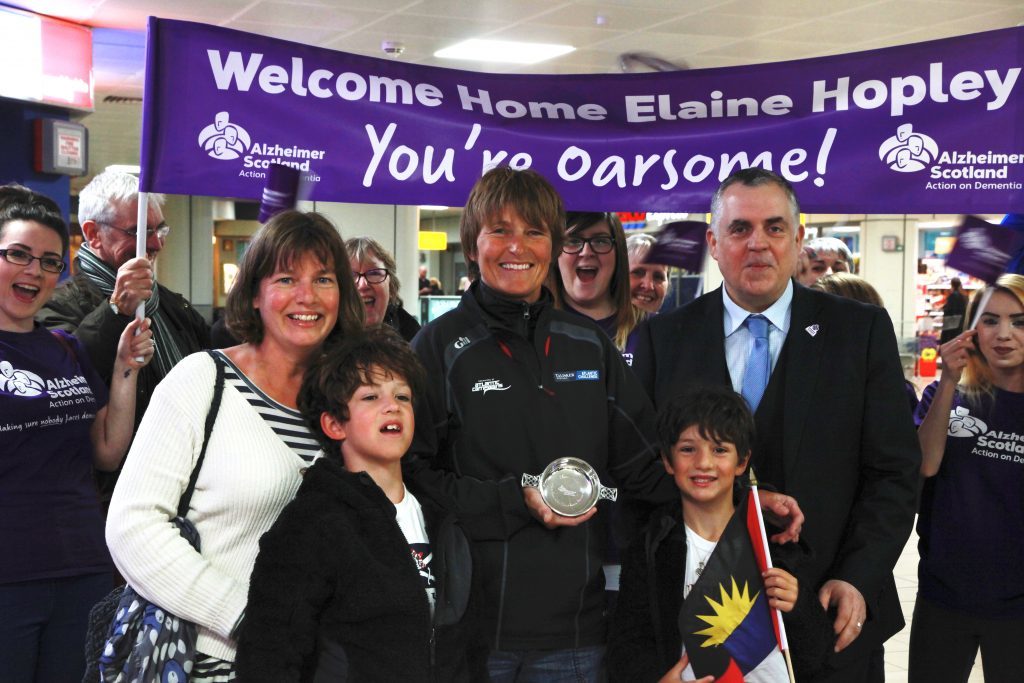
{"points": [[812, 329]]}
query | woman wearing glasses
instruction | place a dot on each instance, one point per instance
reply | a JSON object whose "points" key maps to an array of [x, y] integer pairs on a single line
{"points": [[592, 278], [374, 271], [58, 421]]}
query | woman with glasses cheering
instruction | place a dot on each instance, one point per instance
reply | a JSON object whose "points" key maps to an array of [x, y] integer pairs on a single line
{"points": [[592, 278], [58, 421], [374, 271]]}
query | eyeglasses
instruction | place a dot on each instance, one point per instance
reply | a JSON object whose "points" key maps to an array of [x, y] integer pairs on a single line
{"points": [[160, 230], [20, 257], [374, 276], [601, 244]]}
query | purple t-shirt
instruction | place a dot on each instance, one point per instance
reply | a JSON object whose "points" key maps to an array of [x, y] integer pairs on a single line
{"points": [[971, 521], [50, 521], [608, 325]]}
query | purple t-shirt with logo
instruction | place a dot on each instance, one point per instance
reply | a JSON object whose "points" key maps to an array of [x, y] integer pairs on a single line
{"points": [[971, 521], [608, 325], [50, 521]]}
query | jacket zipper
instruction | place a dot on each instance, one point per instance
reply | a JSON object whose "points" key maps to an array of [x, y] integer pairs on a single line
{"points": [[526, 336], [433, 646]]}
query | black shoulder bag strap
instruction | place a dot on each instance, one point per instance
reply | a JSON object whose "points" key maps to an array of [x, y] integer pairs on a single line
{"points": [[211, 417]]}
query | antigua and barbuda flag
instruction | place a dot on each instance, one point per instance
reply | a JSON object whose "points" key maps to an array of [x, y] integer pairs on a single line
{"points": [[729, 631]]}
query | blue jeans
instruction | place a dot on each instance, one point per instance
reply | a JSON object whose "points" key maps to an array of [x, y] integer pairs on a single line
{"points": [[42, 630], [580, 665]]}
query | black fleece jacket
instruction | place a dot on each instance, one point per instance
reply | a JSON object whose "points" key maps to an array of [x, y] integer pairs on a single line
{"points": [[512, 387], [335, 595]]}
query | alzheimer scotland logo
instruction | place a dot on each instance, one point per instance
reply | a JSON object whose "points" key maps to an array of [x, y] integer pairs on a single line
{"points": [[997, 444], [224, 140], [963, 424], [907, 151], [19, 382]]}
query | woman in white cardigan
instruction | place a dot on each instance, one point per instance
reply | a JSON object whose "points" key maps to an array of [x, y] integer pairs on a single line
{"points": [[294, 289]]}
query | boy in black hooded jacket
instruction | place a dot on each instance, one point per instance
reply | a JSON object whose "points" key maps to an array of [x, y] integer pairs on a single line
{"points": [[357, 581]]}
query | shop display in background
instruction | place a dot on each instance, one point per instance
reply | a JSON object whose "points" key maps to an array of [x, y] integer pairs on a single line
{"points": [[933, 286], [932, 282], [978, 249]]}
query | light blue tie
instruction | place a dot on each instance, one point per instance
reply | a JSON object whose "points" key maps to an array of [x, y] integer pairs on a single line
{"points": [[759, 362]]}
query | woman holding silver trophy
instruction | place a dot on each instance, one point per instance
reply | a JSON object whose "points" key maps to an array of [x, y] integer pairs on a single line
{"points": [[530, 411]]}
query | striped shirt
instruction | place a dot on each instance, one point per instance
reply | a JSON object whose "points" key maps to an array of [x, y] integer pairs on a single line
{"points": [[286, 422], [212, 670]]}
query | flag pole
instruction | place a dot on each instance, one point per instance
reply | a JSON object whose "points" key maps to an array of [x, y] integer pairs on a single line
{"points": [[141, 227], [985, 296], [783, 640]]}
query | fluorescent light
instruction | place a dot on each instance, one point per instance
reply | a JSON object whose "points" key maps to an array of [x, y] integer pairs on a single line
{"points": [[508, 51], [843, 229], [432, 207]]}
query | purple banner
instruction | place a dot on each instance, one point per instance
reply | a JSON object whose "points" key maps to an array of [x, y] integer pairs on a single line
{"points": [[934, 127]]}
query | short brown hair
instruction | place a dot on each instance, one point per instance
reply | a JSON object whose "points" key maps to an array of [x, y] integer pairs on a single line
{"points": [[344, 366], [363, 247], [526, 191], [286, 237], [849, 286]]}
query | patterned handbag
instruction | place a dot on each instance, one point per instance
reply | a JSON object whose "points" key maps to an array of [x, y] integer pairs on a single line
{"points": [[139, 641]]}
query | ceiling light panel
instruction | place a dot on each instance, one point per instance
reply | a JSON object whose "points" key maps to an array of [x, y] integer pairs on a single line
{"points": [[503, 51]]}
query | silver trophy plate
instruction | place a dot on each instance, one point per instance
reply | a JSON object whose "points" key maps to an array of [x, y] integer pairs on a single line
{"points": [[570, 487]]}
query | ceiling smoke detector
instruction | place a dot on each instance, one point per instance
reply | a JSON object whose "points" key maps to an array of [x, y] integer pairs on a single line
{"points": [[392, 48]]}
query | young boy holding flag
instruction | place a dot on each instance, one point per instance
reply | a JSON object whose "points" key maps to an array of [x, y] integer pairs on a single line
{"points": [[697, 595]]}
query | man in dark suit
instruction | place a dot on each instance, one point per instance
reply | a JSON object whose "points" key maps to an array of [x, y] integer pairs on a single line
{"points": [[825, 382]]}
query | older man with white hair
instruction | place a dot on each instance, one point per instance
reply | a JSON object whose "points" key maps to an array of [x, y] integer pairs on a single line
{"points": [[109, 283]]}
